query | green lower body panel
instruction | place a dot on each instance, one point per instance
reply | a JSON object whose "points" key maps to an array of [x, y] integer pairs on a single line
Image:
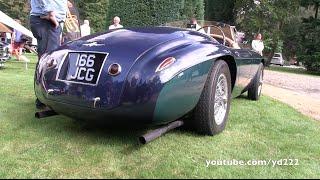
{"points": [[181, 94]]}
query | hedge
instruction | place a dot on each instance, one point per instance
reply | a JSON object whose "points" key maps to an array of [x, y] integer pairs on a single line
{"points": [[221, 11], [153, 12], [95, 11]]}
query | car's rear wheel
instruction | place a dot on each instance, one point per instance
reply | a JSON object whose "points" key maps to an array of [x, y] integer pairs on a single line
{"points": [[211, 112], [254, 92]]}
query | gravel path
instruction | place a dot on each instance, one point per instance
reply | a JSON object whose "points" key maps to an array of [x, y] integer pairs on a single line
{"points": [[299, 91]]}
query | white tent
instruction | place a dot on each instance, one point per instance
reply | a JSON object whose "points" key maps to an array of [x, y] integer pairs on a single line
{"points": [[4, 28], [8, 21]]}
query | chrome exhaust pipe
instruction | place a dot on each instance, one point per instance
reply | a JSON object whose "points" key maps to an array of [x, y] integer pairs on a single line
{"points": [[43, 114], [150, 136]]}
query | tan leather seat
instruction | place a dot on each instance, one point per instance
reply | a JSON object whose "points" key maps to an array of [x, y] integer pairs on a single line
{"points": [[230, 42]]}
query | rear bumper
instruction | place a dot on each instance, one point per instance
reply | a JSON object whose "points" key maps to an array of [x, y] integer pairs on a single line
{"points": [[135, 109], [134, 114]]}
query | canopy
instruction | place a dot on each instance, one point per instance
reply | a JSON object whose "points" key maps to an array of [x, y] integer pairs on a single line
{"points": [[8, 21], [4, 28]]}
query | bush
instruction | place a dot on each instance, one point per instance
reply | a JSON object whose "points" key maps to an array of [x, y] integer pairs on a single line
{"points": [[309, 53], [95, 12], [153, 12], [311, 62], [221, 11]]}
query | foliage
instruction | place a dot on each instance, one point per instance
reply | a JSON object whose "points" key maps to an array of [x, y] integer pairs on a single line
{"points": [[154, 12], [268, 17], [313, 3], [309, 49], [95, 11], [17, 10], [300, 70], [309, 52], [193, 8], [220, 11], [292, 38]]}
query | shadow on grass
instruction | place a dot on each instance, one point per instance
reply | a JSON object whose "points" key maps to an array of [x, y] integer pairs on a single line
{"points": [[64, 129], [124, 135], [243, 96]]}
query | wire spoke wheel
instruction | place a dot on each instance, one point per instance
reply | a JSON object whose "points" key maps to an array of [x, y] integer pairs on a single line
{"points": [[221, 103], [211, 113]]}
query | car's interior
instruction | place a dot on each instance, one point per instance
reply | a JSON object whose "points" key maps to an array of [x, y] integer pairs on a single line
{"points": [[223, 33]]}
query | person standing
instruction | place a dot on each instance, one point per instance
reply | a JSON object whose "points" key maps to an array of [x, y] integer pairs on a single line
{"points": [[85, 28], [116, 23], [18, 43], [46, 21], [257, 44]]}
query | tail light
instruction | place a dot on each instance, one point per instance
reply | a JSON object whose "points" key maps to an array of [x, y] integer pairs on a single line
{"points": [[114, 69], [165, 63]]}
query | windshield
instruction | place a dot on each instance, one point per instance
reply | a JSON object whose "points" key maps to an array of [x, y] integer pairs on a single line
{"points": [[207, 27], [223, 33], [184, 24]]}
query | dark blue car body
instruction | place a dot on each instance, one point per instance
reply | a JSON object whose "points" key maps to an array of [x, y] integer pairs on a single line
{"points": [[139, 93]]}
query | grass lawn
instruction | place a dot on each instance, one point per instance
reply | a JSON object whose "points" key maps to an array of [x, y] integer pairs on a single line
{"points": [[292, 70], [59, 147]]}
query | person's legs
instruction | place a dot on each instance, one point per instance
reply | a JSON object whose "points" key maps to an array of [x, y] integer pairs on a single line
{"points": [[48, 39], [47, 35], [39, 28], [16, 50]]}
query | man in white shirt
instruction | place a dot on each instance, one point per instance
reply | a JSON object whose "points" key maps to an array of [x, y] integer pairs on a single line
{"points": [[257, 44], [116, 23], [85, 28]]}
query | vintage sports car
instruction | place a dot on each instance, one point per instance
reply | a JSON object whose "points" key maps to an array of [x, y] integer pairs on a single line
{"points": [[152, 75]]}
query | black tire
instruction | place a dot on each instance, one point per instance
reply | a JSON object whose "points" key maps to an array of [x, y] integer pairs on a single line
{"points": [[204, 113], [254, 92]]}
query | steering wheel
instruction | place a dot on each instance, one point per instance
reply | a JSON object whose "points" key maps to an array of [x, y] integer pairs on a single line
{"points": [[219, 28]]}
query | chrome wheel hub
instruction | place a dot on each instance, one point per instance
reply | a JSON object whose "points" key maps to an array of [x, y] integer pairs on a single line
{"points": [[221, 99]]}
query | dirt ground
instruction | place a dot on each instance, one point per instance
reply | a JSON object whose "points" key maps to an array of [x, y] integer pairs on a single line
{"points": [[302, 92]]}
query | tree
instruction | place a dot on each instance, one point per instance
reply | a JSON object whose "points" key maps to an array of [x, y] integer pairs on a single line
{"points": [[17, 10], [193, 8], [309, 50], [221, 11], [312, 3], [292, 38], [267, 17]]}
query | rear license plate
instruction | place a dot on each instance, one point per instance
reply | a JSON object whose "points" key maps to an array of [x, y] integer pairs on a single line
{"points": [[82, 67]]}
